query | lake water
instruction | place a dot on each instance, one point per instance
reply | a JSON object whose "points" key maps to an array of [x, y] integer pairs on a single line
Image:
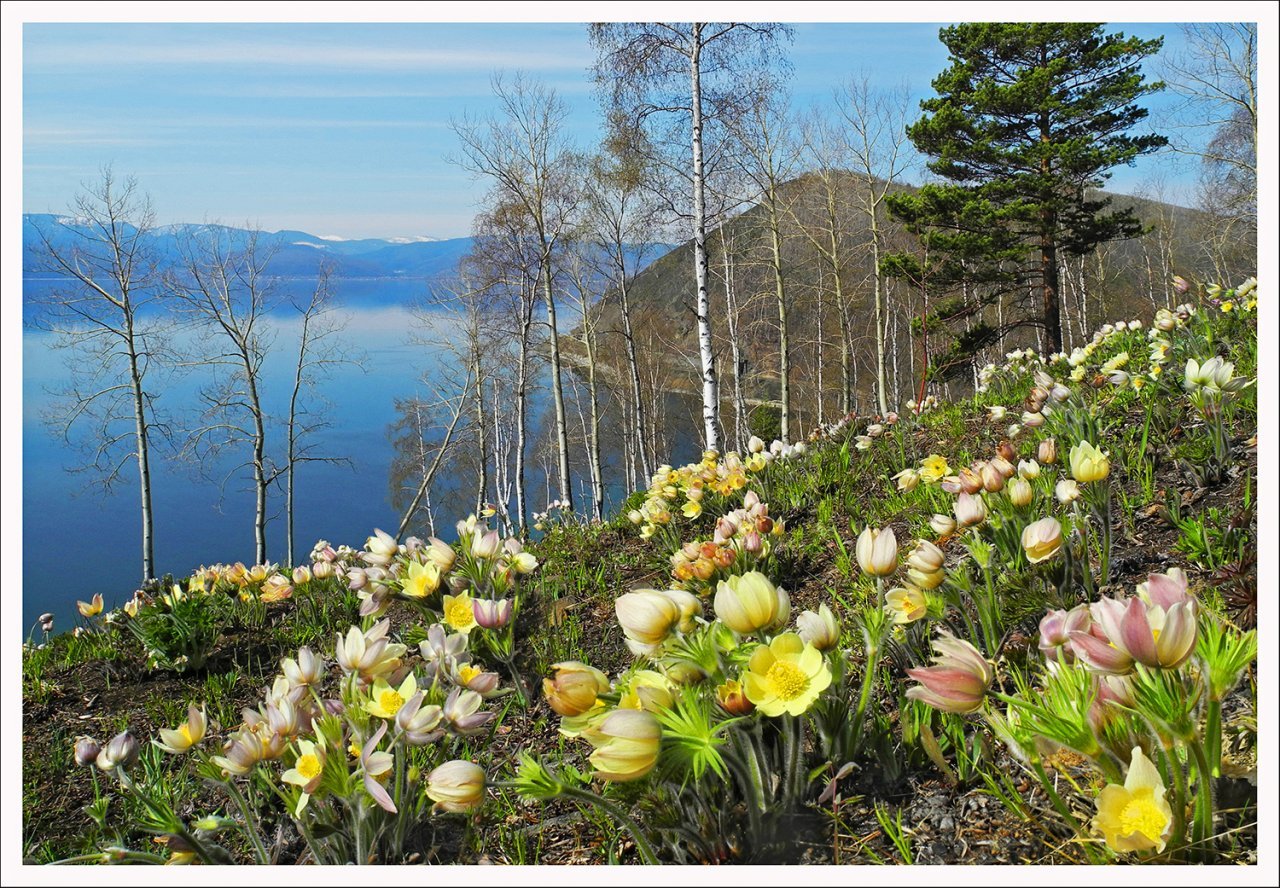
{"points": [[67, 524]]}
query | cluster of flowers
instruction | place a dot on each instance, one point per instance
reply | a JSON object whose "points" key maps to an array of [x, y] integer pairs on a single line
{"points": [[873, 431], [740, 543], [686, 488], [757, 665], [339, 746], [1122, 680], [480, 574]]}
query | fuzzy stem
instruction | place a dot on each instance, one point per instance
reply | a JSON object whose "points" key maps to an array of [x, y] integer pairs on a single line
{"points": [[643, 848], [1203, 832], [259, 849]]}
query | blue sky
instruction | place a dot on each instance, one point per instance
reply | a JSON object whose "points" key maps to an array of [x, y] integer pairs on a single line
{"points": [[343, 129]]}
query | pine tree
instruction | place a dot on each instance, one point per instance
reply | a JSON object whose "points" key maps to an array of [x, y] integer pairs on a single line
{"points": [[1028, 121]]}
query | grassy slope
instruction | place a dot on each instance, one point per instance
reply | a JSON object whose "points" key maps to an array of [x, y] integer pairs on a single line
{"points": [[99, 684]]}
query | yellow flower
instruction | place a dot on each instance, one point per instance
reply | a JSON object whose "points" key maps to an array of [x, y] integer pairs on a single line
{"points": [[647, 690], [1135, 817], [785, 676], [1089, 463], [187, 734], [750, 602], [905, 605], [459, 613], [1042, 539], [627, 743], [90, 608], [306, 772], [386, 701], [692, 509], [423, 579], [933, 468]]}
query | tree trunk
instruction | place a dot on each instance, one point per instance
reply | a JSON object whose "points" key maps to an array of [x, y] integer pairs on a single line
{"points": [[557, 392], [784, 361], [482, 487], [141, 435], [637, 402], [259, 462], [706, 351]]}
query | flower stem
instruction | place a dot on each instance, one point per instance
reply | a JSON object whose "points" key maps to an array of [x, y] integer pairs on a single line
{"points": [[643, 848], [1203, 833]]}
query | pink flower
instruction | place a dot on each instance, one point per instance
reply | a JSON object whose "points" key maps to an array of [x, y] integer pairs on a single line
{"points": [[958, 680]]}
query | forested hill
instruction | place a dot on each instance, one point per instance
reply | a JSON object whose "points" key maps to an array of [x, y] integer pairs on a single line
{"points": [[1121, 279]]}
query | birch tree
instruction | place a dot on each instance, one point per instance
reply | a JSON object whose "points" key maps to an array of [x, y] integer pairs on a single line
{"points": [[769, 158], [524, 152], [223, 289], [321, 348], [103, 312], [619, 223], [679, 82], [878, 149]]}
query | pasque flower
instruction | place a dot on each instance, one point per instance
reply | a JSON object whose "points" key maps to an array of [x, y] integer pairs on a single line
{"points": [[877, 551], [1047, 452], [370, 654], [375, 764], [574, 687], [750, 603], [188, 734], [380, 549], [304, 671], [1042, 539], [1135, 816], [385, 701], [90, 608], [819, 628], [733, 699], [456, 786], [459, 614], [626, 744], [420, 580], [1088, 463], [307, 772], [958, 679], [1135, 631], [787, 675], [905, 604]]}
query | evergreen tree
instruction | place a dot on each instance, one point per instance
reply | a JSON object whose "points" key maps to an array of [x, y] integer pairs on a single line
{"points": [[1028, 121]]}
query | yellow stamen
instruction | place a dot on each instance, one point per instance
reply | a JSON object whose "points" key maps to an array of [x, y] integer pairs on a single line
{"points": [[1141, 815], [390, 702], [787, 680], [309, 766]]}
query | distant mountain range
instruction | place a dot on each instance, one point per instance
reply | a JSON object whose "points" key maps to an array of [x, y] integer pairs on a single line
{"points": [[299, 253]]}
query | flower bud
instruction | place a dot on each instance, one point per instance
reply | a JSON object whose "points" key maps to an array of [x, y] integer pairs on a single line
{"points": [[1042, 539], [491, 614], [86, 750], [1088, 463], [819, 629], [627, 743], [646, 616], [733, 698], [456, 786], [748, 603], [322, 570], [120, 752], [877, 551], [1067, 491], [1020, 492], [970, 510], [943, 525], [992, 478], [574, 687], [958, 679]]}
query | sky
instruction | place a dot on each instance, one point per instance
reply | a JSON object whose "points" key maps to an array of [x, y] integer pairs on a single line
{"points": [[343, 130]]}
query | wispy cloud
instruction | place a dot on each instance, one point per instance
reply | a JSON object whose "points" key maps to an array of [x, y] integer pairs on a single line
{"points": [[325, 55]]}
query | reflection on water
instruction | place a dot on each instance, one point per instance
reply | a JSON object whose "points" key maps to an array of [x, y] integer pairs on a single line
{"points": [[199, 521]]}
